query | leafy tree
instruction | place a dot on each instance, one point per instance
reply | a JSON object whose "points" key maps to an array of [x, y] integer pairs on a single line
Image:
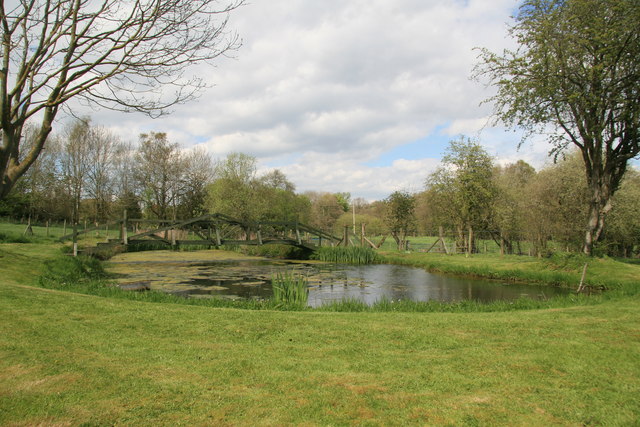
{"points": [[233, 191], [400, 216], [126, 55], [344, 200], [555, 207], [509, 210], [622, 235], [576, 74], [325, 210], [463, 189]]}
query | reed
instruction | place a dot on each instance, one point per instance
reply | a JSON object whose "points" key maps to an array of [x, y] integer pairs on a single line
{"points": [[290, 289], [346, 255]]}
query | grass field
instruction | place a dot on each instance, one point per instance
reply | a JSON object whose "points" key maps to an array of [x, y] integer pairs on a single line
{"points": [[72, 359]]}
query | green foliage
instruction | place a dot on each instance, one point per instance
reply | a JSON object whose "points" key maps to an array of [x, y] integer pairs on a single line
{"points": [[575, 72], [346, 255], [69, 271], [400, 216], [567, 261], [290, 289], [463, 186], [239, 193]]}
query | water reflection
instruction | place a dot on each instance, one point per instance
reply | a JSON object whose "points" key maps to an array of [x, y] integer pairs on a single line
{"points": [[371, 283]]}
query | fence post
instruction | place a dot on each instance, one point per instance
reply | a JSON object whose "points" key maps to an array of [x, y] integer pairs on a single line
{"points": [[345, 238], [218, 240], [298, 237], [75, 238], [125, 240]]}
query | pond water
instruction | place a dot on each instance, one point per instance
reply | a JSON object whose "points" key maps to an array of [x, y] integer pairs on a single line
{"points": [[327, 282]]}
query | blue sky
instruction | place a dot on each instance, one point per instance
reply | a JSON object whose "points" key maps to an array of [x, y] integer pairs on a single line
{"points": [[359, 96]]}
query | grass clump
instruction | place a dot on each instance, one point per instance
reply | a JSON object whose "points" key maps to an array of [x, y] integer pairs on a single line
{"points": [[290, 289], [346, 255], [72, 273]]}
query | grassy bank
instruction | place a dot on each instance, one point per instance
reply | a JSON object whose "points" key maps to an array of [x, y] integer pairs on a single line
{"points": [[74, 359], [558, 270], [69, 359]]}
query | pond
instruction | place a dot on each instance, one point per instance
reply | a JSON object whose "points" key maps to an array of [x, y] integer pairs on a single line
{"points": [[327, 282]]}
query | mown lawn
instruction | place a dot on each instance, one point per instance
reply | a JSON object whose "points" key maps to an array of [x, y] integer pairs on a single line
{"points": [[79, 359]]}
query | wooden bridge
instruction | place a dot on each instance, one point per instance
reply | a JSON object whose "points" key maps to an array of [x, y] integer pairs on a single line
{"points": [[213, 230]]}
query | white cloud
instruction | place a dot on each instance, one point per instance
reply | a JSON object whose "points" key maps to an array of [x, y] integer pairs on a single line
{"points": [[321, 88]]}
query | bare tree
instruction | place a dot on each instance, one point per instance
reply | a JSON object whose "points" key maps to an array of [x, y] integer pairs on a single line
{"points": [[100, 180], [159, 173], [119, 54], [75, 161], [197, 176]]}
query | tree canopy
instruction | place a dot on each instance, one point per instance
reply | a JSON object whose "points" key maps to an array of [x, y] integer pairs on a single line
{"points": [[575, 74]]}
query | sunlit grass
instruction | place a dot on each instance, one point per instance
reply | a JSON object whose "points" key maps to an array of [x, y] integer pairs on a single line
{"points": [[70, 359], [112, 357]]}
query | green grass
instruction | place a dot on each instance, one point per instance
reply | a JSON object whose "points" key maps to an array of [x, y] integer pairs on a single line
{"points": [[75, 359], [558, 270], [122, 358]]}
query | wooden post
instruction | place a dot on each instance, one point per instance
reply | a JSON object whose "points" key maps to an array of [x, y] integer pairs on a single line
{"points": [[75, 238], [442, 243], [298, 237], [218, 240], [29, 230], [125, 240], [470, 244]]}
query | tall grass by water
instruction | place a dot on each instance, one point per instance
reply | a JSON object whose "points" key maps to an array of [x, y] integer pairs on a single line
{"points": [[346, 255], [291, 289]]}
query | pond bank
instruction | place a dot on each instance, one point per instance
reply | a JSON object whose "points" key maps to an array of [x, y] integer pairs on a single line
{"points": [[558, 270]]}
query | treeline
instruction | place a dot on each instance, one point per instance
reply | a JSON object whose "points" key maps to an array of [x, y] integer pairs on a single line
{"points": [[515, 203], [87, 174]]}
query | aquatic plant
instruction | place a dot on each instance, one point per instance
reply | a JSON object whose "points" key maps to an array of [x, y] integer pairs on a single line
{"points": [[290, 289], [346, 255]]}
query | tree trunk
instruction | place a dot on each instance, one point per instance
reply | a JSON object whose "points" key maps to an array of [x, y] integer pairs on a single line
{"points": [[599, 207]]}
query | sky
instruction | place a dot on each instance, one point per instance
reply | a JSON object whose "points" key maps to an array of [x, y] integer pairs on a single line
{"points": [[358, 96]]}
